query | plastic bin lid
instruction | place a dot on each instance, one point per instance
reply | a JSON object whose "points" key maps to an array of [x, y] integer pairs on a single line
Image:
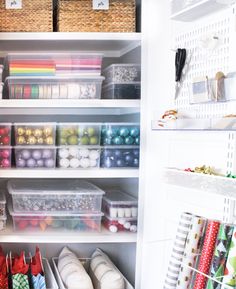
{"points": [[122, 219], [117, 197], [122, 64], [51, 214], [66, 187], [110, 84], [2, 198]]}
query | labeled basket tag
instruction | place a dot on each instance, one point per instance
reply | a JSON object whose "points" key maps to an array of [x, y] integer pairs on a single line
{"points": [[100, 4], [13, 4]]}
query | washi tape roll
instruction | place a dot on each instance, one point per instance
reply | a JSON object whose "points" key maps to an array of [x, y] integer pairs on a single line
{"points": [[230, 270], [35, 91], [27, 91], [63, 91], [41, 91], [191, 252], [18, 91], [55, 91], [220, 255], [178, 251], [49, 91], [206, 254]]}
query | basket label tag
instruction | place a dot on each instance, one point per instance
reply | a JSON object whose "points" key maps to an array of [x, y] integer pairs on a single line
{"points": [[100, 4], [13, 4]]}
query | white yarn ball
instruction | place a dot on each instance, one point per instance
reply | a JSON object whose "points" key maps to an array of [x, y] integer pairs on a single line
{"points": [[64, 163], [74, 163], [85, 163], [74, 152], [63, 153]]}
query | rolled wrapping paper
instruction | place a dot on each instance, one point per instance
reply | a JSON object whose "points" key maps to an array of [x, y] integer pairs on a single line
{"points": [[178, 251], [72, 271], [206, 254], [230, 269], [190, 252], [220, 255]]}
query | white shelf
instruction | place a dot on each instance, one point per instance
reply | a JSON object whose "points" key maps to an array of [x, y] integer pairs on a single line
{"points": [[65, 174], [208, 183], [111, 44], [61, 106], [200, 9], [9, 236]]}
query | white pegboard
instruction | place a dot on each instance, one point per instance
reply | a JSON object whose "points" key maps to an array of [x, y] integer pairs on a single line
{"points": [[204, 61]]}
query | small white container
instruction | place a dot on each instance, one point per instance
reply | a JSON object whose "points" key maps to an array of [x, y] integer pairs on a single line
{"points": [[78, 157], [28, 157], [122, 73], [66, 196], [76, 87], [118, 204]]}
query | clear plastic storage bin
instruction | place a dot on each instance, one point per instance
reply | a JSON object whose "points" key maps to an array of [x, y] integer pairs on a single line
{"points": [[35, 157], [51, 64], [68, 196], [5, 134], [118, 204], [122, 73], [122, 91], [115, 225], [119, 157], [55, 87], [56, 222], [120, 134], [35, 134], [74, 157], [2, 204], [79, 134], [5, 157], [1, 72]]}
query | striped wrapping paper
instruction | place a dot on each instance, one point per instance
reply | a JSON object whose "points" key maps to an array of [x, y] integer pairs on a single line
{"points": [[178, 251], [206, 254], [190, 252], [38, 282], [230, 270], [220, 256]]}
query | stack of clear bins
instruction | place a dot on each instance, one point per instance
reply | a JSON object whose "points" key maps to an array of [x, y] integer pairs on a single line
{"points": [[55, 205], [120, 143], [35, 145], [121, 211], [122, 81], [54, 76]]}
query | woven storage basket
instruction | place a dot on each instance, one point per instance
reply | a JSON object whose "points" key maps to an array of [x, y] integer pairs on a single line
{"points": [[79, 16], [35, 16]]}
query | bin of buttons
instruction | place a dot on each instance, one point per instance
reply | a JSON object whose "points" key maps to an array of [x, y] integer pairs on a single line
{"points": [[120, 134], [119, 157], [82, 134], [74, 157], [35, 134], [35, 157]]}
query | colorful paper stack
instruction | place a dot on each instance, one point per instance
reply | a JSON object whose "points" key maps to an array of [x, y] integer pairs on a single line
{"points": [[206, 255]]}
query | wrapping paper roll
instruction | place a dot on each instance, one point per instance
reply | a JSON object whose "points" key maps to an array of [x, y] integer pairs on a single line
{"points": [[220, 256], [206, 254], [230, 270], [190, 252], [178, 251]]}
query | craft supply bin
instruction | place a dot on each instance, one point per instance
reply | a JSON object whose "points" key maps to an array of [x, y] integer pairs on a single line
{"points": [[5, 134], [5, 157], [120, 134], [118, 204], [35, 134], [65, 196], [119, 157], [79, 134], [54, 64], [80, 87], [74, 157], [122, 73], [122, 91], [33, 16], [115, 225], [56, 222], [29, 157], [79, 16]]}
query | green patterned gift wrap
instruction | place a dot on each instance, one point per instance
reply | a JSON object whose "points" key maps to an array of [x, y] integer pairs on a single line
{"points": [[220, 256]]}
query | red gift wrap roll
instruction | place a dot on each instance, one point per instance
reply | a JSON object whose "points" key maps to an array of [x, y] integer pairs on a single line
{"points": [[206, 254]]}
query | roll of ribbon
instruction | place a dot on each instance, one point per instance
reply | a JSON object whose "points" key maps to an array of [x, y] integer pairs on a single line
{"points": [[230, 270], [206, 254], [190, 252], [178, 251], [220, 256]]}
